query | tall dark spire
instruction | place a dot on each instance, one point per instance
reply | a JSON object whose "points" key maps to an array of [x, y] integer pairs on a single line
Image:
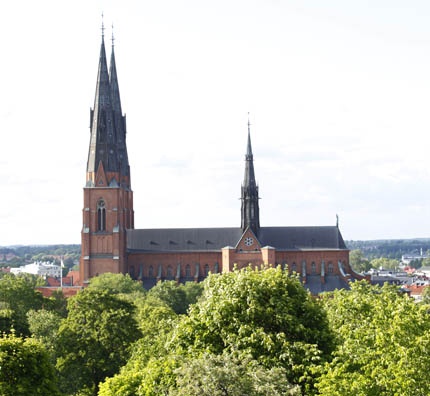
{"points": [[250, 209], [119, 121], [108, 129]]}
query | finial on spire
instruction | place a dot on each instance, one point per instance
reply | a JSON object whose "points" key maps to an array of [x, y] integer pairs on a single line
{"points": [[249, 123], [113, 38], [337, 220], [103, 26]]}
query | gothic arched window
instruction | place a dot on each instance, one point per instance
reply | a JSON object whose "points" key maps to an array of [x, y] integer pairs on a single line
{"points": [[206, 269], [330, 268], [101, 216], [187, 271], [169, 272], [151, 272]]}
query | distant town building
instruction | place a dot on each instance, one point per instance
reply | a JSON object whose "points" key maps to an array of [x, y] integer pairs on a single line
{"points": [[42, 268], [408, 258]]}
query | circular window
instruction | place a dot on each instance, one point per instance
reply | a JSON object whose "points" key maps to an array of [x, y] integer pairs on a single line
{"points": [[249, 241]]}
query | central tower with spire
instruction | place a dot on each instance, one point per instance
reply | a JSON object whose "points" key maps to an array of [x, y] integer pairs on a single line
{"points": [[250, 212], [108, 198]]}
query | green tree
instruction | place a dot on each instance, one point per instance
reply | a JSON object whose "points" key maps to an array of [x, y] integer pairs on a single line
{"points": [[358, 262], [425, 262], [265, 314], [94, 339], [57, 303], [25, 368], [149, 368], [384, 343], [177, 297], [250, 316], [44, 325], [193, 291], [17, 296], [219, 375], [425, 295], [417, 263], [116, 284], [385, 263]]}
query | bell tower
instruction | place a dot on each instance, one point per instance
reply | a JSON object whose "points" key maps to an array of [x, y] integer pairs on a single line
{"points": [[108, 198]]}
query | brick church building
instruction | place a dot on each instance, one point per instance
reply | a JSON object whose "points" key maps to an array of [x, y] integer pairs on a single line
{"points": [[111, 243]]}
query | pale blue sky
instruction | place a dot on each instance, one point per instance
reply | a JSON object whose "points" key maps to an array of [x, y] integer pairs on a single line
{"points": [[338, 92]]}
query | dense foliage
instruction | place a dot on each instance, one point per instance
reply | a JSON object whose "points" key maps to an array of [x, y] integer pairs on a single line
{"points": [[264, 317], [25, 368], [383, 343], [94, 339], [248, 332], [265, 314], [17, 296]]}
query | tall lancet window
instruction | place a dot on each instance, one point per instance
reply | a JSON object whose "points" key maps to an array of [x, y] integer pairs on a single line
{"points": [[101, 216]]}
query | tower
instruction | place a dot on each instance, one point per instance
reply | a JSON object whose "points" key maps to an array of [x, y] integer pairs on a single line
{"points": [[250, 212], [108, 198]]}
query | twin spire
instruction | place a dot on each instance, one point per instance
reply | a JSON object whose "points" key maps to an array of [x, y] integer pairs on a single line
{"points": [[108, 124]]}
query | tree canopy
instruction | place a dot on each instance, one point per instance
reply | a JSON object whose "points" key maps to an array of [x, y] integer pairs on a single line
{"points": [[383, 343], [263, 313], [25, 368], [93, 341], [17, 296]]}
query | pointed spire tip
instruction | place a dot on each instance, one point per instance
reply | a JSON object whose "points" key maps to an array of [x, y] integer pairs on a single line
{"points": [[103, 27], [113, 38]]}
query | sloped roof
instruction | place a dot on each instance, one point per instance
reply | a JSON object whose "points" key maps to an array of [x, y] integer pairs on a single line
{"points": [[332, 282], [214, 239], [182, 239], [297, 238]]}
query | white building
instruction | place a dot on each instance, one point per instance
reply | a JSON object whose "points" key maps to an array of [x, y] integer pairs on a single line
{"points": [[39, 268]]}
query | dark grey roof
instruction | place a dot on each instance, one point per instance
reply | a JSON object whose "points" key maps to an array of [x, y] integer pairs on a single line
{"points": [[210, 239], [332, 282], [182, 239], [291, 238]]}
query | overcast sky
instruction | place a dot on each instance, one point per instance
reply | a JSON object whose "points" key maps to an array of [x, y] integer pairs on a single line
{"points": [[338, 94]]}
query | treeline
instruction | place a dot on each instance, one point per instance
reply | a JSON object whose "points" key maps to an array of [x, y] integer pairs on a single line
{"points": [[15, 256], [390, 248], [248, 332]]}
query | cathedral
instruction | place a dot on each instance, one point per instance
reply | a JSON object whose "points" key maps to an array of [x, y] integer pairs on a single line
{"points": [[111, 243]]}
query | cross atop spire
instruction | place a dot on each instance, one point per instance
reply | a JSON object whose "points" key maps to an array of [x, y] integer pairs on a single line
{"points": [[248, 147], [103, 26]]}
